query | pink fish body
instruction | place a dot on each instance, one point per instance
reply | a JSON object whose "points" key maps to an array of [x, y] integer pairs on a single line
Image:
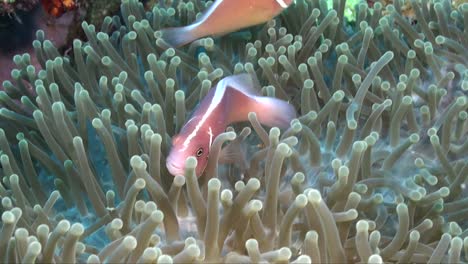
{"points": [[230, 101], [225, 16]]}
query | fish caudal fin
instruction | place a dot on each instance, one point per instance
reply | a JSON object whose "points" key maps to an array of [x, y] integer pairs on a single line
{"points": [[274, 112], [179, 36]]}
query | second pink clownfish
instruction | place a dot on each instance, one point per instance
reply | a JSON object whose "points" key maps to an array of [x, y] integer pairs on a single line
{"points": [[225, 16], [230, 101]]}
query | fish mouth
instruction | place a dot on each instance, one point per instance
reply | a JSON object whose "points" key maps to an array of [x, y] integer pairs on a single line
{"points": [[173, 169]]}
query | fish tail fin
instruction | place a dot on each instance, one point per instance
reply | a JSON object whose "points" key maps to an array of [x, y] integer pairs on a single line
{"points": [[178, 36], [274, 112]]}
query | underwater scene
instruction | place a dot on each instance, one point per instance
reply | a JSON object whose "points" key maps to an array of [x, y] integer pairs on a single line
{"points": [[234, 131]]}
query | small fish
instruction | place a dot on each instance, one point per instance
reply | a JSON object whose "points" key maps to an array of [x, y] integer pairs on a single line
{"points": [[225, 16], [231, 101], [57, 8]]}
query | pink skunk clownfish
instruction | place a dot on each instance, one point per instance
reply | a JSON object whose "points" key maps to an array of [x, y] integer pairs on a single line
{"points": [[230, 101], [225, 16]]}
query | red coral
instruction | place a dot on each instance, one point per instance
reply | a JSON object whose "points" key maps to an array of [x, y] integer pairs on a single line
{"points": [[58, 7]]}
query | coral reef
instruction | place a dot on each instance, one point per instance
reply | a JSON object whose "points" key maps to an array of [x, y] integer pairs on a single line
{"points": [[374, 169]]}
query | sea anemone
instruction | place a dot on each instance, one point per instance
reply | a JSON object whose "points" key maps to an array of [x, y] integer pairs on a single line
{"points": [[373, 170]]}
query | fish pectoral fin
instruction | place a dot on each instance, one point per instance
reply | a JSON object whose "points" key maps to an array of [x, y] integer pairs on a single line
{"points": [[234, 153]]}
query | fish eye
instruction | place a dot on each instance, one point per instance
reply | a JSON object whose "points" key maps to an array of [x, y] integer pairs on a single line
{"points": [[199, 152]]}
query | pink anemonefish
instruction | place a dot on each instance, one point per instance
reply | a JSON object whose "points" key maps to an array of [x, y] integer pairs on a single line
{"points": [[225, 16], [230, 101]]}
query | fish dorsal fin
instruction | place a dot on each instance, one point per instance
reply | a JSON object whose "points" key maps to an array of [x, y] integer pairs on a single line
{"points": [[244, 83], [207, 12], [241, 97]]}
